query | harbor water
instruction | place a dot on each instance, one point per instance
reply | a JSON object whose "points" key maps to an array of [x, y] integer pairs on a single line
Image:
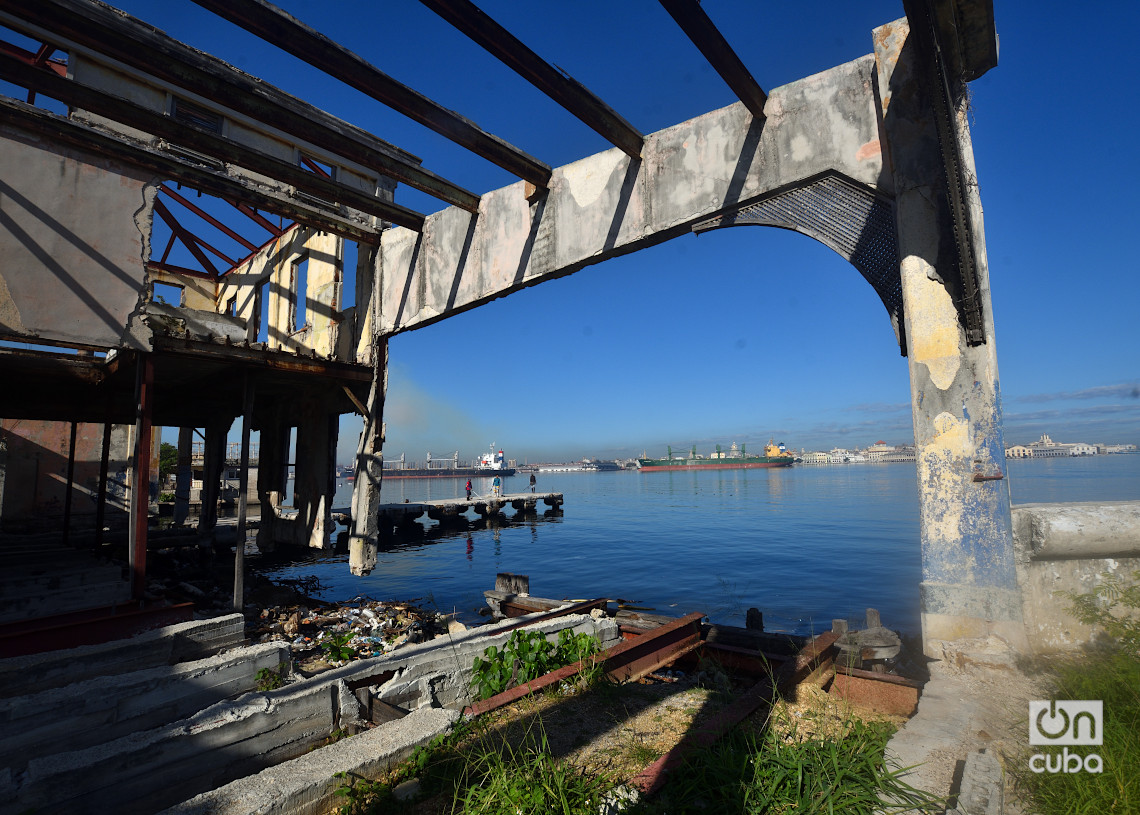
{"points": [[804, 544]]}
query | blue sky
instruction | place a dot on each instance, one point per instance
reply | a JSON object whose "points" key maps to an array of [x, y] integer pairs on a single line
{"points": [[786, 339]]}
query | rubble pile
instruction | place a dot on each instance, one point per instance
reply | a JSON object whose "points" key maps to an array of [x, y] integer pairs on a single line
{"points": [[321, 637]]}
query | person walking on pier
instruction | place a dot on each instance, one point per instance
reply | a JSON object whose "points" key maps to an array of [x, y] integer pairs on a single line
{"points": [[496, 486], [532, 482], [468, 489]]}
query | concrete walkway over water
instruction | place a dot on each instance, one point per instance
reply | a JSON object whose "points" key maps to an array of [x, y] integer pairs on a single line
{"points": [[449, 508]]}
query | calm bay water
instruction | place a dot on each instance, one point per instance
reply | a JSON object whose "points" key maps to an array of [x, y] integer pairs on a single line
{"points": [[804, 544]]}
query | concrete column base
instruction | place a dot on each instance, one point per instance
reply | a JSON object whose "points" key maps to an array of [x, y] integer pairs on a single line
{"points": [[361, 555]]}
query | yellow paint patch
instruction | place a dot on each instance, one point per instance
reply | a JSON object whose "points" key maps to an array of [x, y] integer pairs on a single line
{"points": [[932, 322]]}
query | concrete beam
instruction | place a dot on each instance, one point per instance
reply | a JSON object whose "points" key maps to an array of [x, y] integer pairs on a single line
{"points": [[609, 204]]}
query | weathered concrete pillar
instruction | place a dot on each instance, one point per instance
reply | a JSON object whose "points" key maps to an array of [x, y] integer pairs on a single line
{"points": [[184, 475], [214, 460], [271, 478], [364, 535], [315, 479], [969, 586]]}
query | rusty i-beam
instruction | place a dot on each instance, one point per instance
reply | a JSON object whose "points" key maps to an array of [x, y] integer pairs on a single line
{"points": [[289, 34], [704, 34], [563, 89]]}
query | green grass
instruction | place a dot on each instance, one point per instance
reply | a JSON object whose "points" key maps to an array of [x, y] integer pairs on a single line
{"points": [[1114, 678], [769, 773], [772, 771]]}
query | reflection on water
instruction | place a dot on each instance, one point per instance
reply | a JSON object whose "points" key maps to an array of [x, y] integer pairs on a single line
{"points": [[804, 544]]}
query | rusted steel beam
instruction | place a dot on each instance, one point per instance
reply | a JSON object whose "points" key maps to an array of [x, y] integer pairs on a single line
{"points": [[208, 218], [653, 777], [564, 90], [624, 662], [104, 30], [88, 139], [291, 35], [211, 144], [28, 58], [692, 19], [273, 229], [188, 240]]}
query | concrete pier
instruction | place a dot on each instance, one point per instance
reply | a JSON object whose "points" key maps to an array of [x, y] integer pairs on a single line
{"points": [[484, 505]]}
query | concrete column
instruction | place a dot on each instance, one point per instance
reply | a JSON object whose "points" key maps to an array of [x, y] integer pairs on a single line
{"points": [[315, 477], [271, 478], [184, 475], [214, 461], [969, 585], [364, 535]]}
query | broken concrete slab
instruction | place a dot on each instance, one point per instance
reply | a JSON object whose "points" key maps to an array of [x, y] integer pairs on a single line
{"points": [[307, 785]]}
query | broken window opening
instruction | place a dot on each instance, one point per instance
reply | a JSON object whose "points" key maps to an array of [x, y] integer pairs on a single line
{"points": [[262, 312], [299, 282], [348, 252], [167, 294], [196, 115]]}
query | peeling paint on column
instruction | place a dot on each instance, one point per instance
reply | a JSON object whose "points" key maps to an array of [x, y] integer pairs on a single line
{"points": [[935, 323]]}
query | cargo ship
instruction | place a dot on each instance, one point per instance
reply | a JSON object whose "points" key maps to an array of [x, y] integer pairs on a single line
{"points": [[775, 455], [489, 464]]}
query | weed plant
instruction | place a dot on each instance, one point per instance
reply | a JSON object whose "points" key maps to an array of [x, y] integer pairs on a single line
{"points": [[1110, 672], [528, 655], [528, 780], [749, 772]]}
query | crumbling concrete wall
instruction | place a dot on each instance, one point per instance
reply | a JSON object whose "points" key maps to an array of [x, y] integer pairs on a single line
{"points": [[1066, 548], [73, 236], [275, 274]]}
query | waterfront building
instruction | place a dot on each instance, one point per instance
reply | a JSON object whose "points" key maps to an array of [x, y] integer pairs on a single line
{"points": [[1018, 451]]}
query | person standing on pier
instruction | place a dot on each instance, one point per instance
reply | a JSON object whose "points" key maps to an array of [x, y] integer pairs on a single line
{"points": [[496, 485], [532, 482], [468, 489]]}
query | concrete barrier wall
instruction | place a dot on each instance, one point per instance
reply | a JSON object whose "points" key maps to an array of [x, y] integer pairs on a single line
{"points": [[1066, 548], [163, 646], [307, 785], [151, 770]]}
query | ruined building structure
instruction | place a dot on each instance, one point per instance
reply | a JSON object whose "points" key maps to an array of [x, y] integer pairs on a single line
{"points": [[108, 337]]}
